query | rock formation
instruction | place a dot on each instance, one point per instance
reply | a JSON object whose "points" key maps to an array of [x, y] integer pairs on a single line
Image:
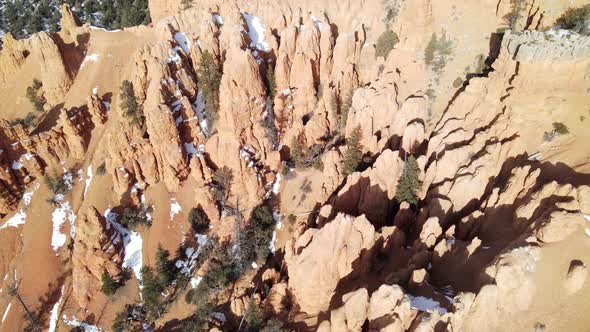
{"points": [[98, 249], [255, 200]]}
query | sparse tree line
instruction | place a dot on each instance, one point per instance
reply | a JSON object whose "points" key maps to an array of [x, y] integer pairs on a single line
{"points": [[25, 17]]}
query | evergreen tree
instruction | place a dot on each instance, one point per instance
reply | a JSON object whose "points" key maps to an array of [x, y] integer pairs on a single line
{"points": [[164, 266], [354, 153], [271, 85], [109, 285], [151, 291], [129, 105], [252, 317], [296, 151], [209, 75], [199, 220], [409, 182]]}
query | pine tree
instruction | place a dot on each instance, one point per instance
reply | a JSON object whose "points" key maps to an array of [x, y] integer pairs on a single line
{"points": [[151, 291], [129, 105], [354, 152], [209, 75], [199, 220], [271, 85], [252, 317], [164, 266], [109, 285], [409, 183]]}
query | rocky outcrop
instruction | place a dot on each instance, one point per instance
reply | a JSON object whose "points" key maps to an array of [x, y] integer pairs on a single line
{"points": [[14, 52], [55, 75], [98, 248], [350, 240]]}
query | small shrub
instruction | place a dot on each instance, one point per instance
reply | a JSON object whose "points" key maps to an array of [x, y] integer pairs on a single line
{"points": [[134, 217], [37, 84], [560, 128], [437, 52], [33, 96], [109, 285], [353, 154], [222, 179], [409, 183], [199, 220], [26, 122], [385, 43], [575, 19], [458, 82], [101, 169], [58, 184], [512, 18], [291, 219]]}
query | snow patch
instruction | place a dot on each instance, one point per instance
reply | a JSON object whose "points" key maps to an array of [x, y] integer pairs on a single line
{"points": [[277, 184], [88, 178], [58, 217], [183, 41], [192, 151], [196, 281], [105, 30], [256, 32], [90, 58], [198, 108], [217, 19], [254, 265], [16, 220], [16, 165], [6, 312], [95, 90], [85, 326], [55, 312], [219, 316], [132, 242], [175, 208], [426, 304]]}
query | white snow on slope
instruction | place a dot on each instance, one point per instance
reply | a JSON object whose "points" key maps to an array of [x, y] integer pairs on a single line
{"points": [[256, 32], [55, 313], [426, 304], [88, 178], [183, 41], [277, 184], [6, 312], [132, 242], [95, 90], [16, 165], [198, 108], [85, 326], [20, 217], [196, 281], [192, 151], [175, 208], [90, 58], [105, 30], [218, 19], [58, 217]]}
